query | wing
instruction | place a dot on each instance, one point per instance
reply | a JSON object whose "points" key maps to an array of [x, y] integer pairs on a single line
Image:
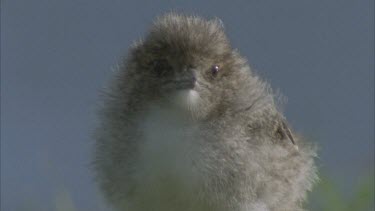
{"points": [[283, 132]]}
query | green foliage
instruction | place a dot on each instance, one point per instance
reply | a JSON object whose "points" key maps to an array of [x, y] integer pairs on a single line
{"points": [[64, 202], [329, 197]]}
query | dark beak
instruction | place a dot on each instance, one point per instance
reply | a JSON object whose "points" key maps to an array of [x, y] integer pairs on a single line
{"points": [[186, 83]]}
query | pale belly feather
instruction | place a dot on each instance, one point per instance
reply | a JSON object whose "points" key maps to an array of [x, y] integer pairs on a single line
{"points": [[167, 174]]}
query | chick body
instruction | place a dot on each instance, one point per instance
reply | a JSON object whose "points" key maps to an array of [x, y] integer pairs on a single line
{"points": [[176, 134]]}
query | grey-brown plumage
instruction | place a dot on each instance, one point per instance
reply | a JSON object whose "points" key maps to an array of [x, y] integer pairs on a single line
{"points": [[187, 126]]}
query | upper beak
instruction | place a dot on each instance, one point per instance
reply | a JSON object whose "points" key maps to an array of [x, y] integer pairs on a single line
{"points": [[187, 81], [186, 84]]}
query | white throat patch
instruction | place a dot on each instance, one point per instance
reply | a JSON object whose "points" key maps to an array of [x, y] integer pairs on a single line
{"points": [[167, 154], [186, 99]]}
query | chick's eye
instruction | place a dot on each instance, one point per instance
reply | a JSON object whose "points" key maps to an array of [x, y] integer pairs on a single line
{"points": [[215, 70]]}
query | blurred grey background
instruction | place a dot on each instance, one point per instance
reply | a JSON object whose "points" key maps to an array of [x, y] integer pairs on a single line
{"points": [[56, 55]]}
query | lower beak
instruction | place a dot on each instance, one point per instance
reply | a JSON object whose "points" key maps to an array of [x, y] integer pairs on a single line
{"points": [[186, 84]]}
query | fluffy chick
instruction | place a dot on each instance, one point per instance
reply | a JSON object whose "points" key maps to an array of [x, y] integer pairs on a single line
{"points": [[187, 126]]}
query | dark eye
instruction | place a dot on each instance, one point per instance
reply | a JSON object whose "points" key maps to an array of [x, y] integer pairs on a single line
{"points": [[215, 70]]}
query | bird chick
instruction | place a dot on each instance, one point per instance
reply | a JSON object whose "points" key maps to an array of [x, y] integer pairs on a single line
{"points": [[187, 126]]}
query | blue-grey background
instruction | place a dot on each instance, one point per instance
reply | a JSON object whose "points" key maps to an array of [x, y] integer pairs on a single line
{"points": [[56, 55]]}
